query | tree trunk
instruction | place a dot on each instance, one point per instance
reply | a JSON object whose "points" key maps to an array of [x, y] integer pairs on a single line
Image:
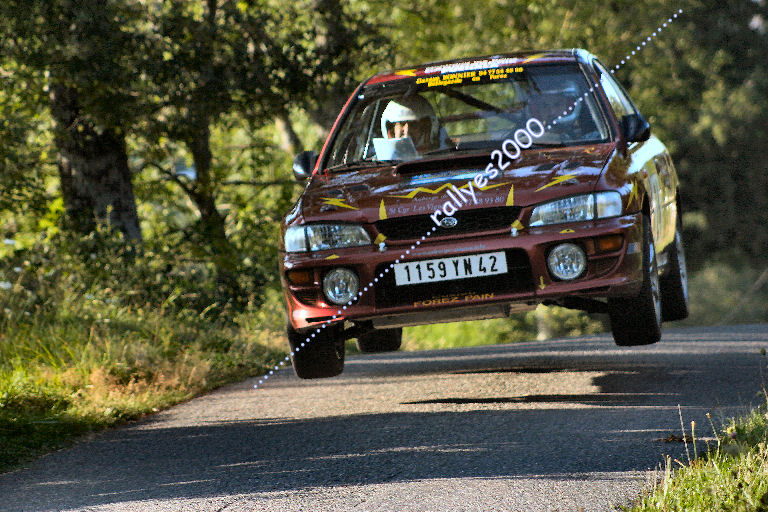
{"points": [[93, 168], [289, 140], [212, 223], [325, 114]]}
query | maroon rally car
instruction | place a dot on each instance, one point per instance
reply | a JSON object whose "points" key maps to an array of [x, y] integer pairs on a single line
{"points": [[470, 189]]}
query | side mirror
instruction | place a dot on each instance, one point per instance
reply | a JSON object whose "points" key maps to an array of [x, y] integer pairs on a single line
{"points": [[635, 128], [303, 165]]}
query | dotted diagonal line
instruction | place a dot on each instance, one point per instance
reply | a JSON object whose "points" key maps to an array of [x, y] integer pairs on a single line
{"points": [[338, 312], [434, 228]]}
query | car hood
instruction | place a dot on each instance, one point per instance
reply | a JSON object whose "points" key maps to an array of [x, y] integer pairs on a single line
{"points": [[422, 186]]}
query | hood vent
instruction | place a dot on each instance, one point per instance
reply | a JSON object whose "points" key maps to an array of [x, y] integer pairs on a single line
{"points": [[444, 163]]}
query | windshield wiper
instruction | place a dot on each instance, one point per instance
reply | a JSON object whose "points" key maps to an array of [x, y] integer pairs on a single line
{"points": [[450, 149], [361, 163], [553, 144]]}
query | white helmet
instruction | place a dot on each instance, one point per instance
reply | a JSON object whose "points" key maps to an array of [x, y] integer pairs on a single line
{"points": [[409, 108]]}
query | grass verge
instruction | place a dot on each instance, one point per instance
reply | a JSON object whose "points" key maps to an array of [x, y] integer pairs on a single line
{"points": [[79, 356], [62, 379], [733, 476]]}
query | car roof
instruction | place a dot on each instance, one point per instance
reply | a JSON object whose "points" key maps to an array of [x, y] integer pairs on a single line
{"points": [[481, 62]]}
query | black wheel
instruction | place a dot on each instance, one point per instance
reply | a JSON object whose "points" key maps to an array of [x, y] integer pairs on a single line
{"points": [[674, 285], [637, 320], [380, 340], [321, 356]]}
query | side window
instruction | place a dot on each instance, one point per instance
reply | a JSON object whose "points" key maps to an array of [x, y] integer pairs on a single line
{"points": [[616, 96]]}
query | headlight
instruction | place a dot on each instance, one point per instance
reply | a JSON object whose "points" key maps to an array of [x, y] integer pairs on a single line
{"points": [[318, 237], [341, 285], [577, 209], [567, 261]]}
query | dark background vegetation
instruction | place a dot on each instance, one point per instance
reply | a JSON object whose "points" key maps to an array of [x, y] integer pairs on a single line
{"points": [[174, 121], [145, 151]]}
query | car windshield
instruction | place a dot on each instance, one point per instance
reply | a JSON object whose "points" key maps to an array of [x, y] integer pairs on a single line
{"points": [[467, 111]]}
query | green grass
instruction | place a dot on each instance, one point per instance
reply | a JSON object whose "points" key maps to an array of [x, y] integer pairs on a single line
{"points": [[543, 323], [63, 376], [731, 476], [729, 293], [78, 355]]}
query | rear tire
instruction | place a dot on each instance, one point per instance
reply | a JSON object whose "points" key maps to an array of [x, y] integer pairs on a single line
{"points": [[380, 340], [319, 357], [637, 320], [674, 286]]}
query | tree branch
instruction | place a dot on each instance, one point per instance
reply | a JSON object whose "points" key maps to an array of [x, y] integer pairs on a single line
{"points": [[171, 175], [251, 183]]}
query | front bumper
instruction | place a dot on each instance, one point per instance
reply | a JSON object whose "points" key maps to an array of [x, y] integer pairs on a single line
{"points": [[528, 281]]}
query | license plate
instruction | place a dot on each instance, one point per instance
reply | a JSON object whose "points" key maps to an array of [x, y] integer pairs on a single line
{"points": [[448, 269]]}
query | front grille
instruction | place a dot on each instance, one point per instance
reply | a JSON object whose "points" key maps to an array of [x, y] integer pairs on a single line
{"points": [[518, 279], [468, 221]]}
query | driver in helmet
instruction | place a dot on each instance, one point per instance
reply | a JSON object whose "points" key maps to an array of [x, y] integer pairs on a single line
{"points": [[411, 116]]}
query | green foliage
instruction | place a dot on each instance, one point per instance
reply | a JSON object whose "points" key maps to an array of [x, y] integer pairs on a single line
{"points": [[461, 334], [542, 323], [87, 46], [24, 143], [253, 189], [101, 265], [732, 476], [92, 334], [728, 290]]}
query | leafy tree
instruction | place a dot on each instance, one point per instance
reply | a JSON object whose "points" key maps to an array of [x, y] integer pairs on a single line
{"points": [[207, 64], [343, 44], [79, 46], [23, 145]]}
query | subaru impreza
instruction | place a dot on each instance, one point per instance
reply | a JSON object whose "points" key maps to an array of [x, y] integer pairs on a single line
{"points": [[476, 188]]}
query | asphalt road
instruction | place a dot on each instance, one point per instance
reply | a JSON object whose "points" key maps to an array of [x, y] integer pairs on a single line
{"points": [[560, 425]]}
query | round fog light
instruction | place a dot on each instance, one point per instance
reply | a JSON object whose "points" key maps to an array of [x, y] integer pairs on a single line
{"points": [[567, 261], [340, 285]]}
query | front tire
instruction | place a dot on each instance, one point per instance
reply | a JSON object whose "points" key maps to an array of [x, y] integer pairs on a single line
{"points": [[380, 340], [320, 356], [637, 320], [674, 286]]}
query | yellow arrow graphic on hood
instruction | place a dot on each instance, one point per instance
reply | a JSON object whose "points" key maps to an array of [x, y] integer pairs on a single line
{"points": [[332, 201], [557, 181], [412, 193]]}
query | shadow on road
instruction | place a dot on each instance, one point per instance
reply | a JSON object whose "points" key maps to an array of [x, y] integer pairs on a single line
{"points": [[616, 429], [255, 457]]}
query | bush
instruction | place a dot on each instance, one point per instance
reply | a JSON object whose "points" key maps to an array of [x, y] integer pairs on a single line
{"points": [[728, 292], [96, 333]]}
